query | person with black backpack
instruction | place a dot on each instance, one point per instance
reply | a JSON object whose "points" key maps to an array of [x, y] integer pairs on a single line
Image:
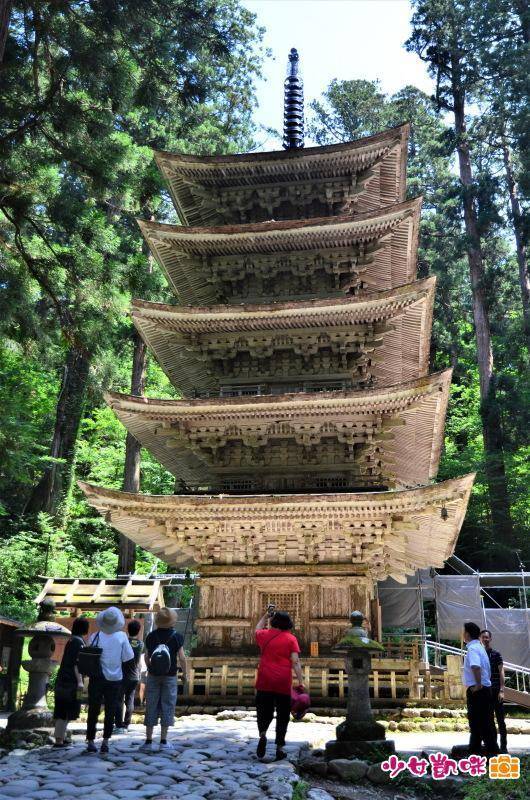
{"points": [[164, 648]]}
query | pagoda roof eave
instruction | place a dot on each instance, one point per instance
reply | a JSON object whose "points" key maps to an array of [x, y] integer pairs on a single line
{"points": [[183, 171], [168, 331], [371, 304], [188, 255], [208, 406], [179, 528], [298, 155], [356, 225], [178, 432]]}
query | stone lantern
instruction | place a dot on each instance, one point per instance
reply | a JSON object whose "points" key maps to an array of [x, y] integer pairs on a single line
{"points": [[35, 712], [359, 735]]}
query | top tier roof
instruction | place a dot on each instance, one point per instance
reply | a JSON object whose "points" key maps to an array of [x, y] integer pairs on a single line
{"points": [[288, 184]]}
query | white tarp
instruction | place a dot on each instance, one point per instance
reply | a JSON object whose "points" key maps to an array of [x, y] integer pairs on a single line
{"points": [[510, 628], [400, 602], [457, 601]]}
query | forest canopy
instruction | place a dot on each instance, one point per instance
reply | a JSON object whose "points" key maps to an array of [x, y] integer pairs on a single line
{"points": [[87, 92]]}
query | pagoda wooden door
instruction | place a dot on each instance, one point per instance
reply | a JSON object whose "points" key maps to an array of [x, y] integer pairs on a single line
{"points": [[295, 601]]}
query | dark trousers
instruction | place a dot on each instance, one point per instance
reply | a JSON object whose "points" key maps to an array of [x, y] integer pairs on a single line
{"points": [[125, 703], [106, 693], [481, 721], [498, 707], [266, 704]]}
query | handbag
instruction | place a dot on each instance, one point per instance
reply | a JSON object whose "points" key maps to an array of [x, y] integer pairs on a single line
{"points": [[89, 660], [300, 702]]}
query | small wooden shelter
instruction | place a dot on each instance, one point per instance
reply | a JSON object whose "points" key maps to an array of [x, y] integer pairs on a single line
{"points": [[89, 594]]}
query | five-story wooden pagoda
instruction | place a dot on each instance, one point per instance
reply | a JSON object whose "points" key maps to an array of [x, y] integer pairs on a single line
{"points": [[310, 428]]}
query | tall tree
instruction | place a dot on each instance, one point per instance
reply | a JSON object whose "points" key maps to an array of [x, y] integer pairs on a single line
{"points": [[131, 469], [438, 38], [497, 33], [5, 14], [88, 90]]}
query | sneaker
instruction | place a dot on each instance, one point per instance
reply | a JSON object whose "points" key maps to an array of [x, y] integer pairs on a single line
{"points": [[146, 747], [91, 747], [166, 746], [280, 754], [262, 746], [104, 747]]}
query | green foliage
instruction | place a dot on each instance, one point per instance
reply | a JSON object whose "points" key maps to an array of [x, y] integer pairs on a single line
{"points": [[300, 790], [88, 91], [354, 108]]}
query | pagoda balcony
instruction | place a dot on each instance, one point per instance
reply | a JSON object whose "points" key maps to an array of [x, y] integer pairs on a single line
{"points": [[295, 260], [375, 340], [354, 177], [389, 436]]}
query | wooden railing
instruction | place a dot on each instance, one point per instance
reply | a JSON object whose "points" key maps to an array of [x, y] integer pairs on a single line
{"points": [[392, 679], [403, 647]]}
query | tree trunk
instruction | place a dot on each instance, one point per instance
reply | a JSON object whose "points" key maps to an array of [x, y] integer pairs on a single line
{"points": [[518, 229], [489, 408], [50, 494], [5, 15], [131, 473]]}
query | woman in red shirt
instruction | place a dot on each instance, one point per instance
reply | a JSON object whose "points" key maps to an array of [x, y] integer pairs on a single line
{"points": [[279, 656]]}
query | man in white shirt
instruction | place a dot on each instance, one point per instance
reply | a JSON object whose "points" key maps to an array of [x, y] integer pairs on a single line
{"points": [[477, 680], [106, 689]]}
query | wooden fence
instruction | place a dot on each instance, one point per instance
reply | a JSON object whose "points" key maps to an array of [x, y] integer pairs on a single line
{"points": [[210, 680]]}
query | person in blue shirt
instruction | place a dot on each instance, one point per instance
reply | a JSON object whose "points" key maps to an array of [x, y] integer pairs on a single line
{"points": [[477, 680]]}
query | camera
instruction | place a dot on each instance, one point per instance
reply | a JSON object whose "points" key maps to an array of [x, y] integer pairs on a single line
{"points": [[271, 608]]}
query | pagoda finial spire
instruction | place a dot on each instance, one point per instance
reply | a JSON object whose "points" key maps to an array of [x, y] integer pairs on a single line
{"points": [[293, 104]]}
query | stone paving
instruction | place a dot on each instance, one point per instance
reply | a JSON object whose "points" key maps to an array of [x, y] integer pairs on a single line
{"points": [[212, 758]]}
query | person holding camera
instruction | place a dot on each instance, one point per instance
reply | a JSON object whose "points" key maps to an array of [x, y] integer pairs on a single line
{"points": [[279, 657]]}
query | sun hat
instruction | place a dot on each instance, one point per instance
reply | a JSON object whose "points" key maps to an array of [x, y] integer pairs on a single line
{"points": [[165, 618], [110, 620]]}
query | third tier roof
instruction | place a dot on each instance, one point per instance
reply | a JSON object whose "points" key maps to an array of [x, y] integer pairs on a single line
{"points": [[375, 340]]}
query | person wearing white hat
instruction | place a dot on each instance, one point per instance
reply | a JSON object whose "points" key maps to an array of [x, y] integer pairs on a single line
{"points": [[105, 689]]}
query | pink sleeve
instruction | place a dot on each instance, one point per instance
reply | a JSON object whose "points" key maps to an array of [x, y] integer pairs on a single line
{"points": [[295, 647]]}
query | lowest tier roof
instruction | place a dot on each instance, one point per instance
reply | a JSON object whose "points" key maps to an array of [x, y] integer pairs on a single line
{"points": [[288, 184], [381, 437], [289, 260], [381, 534], [382, 338]]}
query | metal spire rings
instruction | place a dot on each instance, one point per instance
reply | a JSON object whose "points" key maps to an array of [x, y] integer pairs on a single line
{"points": [[293, 111]]}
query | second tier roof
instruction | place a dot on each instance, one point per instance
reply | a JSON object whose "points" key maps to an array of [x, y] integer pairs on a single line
{"points": [[386, 437]]}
